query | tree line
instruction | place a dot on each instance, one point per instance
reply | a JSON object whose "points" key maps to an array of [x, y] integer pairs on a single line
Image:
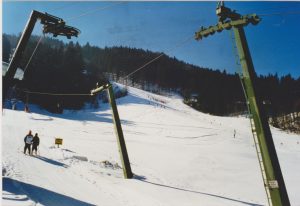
{"points": [[212, 91], [56, 68], [71, 68]]}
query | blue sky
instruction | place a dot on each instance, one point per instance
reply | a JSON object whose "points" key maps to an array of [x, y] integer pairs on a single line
{"points": [[160, 26]]}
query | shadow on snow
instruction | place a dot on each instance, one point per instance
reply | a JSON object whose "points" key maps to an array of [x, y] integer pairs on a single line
{"points": [[39, 194], [87, 115], [144, 179], [50, 161], [92, 114]]}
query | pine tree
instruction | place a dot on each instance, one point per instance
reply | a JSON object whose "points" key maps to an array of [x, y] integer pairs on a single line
{"points": [[6, 48]]}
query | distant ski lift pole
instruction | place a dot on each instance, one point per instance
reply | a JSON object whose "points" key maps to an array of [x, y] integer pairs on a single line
{"points": [[118, 129], [52, 24]]}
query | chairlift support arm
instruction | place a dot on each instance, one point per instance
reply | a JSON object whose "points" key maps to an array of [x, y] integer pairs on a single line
{"points": [[52, 24], [243, 21]]}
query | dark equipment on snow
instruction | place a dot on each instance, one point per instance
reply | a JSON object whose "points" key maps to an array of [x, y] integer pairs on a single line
{"points": [[52, 24], [118, 129], [268, 160]]}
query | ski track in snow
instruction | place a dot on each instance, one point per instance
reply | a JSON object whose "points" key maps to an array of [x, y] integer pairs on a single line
{"points": [[179, 157]]}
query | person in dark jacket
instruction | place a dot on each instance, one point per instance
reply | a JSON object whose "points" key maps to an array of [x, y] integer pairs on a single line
{"points": [[35, 143], [28, 141]]}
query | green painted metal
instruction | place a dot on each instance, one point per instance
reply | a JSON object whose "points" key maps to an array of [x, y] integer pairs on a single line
{"points": [[119, 133], [118, 129], [99, 89], [274, 182], [243, 21]]}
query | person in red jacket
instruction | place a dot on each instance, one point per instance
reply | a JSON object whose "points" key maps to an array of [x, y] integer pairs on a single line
{"points": [[28, 141]]}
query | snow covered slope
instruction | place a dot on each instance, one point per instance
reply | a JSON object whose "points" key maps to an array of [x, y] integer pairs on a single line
{"points": [[179, 157]]}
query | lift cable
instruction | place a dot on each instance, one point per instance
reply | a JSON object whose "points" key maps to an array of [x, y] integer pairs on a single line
{"points": [[162, 54], [34, 51], [58, 94], [280, 13], [86, 13], [94, 10], [151, 61], [143, 66], [69, 4], [238, 68], [269, 9], [89, 94]]}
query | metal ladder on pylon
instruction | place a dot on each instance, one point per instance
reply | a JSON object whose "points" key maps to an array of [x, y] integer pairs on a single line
{"points": [[253, 129], [260, 160]]}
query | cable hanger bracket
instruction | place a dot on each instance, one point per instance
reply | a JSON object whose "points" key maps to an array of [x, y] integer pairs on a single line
{"points": [[57, 26]]}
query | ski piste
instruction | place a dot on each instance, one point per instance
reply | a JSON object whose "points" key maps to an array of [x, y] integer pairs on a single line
{"points": [[175, 151]]}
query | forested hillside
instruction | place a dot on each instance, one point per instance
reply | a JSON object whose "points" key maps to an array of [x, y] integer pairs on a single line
{"points": [[58, 67]]}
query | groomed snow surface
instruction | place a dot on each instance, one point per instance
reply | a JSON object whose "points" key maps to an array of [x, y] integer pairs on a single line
{"points": [[179, 157]]}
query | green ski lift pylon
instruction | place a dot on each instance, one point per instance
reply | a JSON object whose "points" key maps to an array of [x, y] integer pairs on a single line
{"points": [[52, 24], [268, 160], [118, 129]]}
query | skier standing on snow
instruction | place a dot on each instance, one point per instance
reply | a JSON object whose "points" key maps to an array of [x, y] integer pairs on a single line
{"points": [[28, 141], [35, 143]]}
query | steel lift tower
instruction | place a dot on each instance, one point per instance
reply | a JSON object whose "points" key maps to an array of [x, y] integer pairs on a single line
{"points": [[268, 160], [52, 24]]}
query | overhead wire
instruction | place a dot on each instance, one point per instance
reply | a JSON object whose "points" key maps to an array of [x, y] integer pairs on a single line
{"points": [[69, 4], [280, 13], [146, 64], [86, 13], [34, 51], [268, 9], [58, 94], [43, 36], [127, 76], [40, 40], [94, 10], [238, 68], [159, 56], [106, 7]]}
